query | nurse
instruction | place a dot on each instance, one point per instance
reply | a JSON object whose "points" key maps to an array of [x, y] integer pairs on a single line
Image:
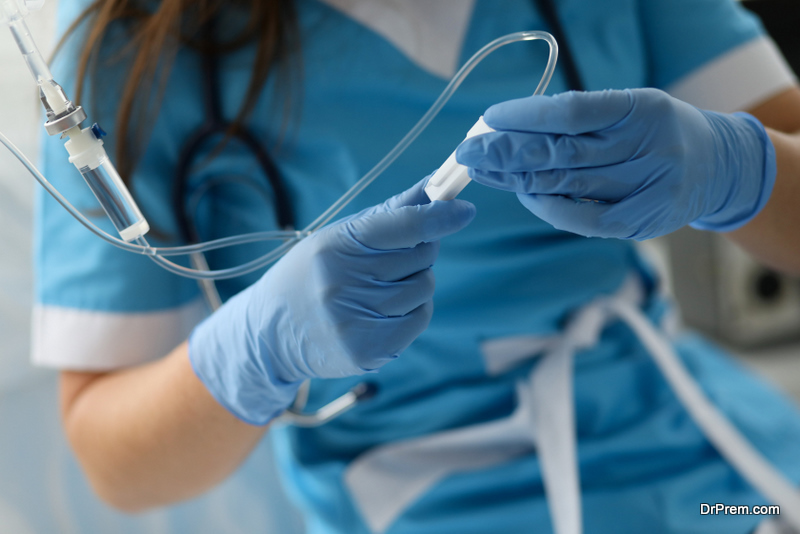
{"points": [[162, 401]]}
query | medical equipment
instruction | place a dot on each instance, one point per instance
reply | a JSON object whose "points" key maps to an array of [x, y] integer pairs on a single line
{"points": [[451, 178], [12, 12], [85, 146], [294, 415], [114, 197], [725, 293]]}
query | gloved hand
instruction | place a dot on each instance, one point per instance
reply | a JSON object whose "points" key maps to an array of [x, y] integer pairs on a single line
{"points": [[343, 302], [653, 163]]}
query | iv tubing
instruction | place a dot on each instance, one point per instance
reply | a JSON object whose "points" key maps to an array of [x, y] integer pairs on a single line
{"points": [[33, 58], [139, 249], [291, 238], [437, 106]]}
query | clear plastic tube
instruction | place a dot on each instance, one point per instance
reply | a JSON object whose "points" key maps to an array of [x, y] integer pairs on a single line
{"points": [[116, 200], [51, 93], [434, 110], [139, 249], [158, 254], [30, 52]]}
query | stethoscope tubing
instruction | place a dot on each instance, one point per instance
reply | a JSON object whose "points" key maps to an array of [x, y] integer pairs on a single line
{"points": [[217, 127]]}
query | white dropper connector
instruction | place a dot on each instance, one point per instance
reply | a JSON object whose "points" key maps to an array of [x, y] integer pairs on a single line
{"points": [[56, 100], [452, 177]]}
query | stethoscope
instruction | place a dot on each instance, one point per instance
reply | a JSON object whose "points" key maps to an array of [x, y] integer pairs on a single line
{"points": [[186, 201]]}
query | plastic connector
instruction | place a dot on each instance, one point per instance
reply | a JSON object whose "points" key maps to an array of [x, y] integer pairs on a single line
{"points": [[98, 132], [452, 177]]}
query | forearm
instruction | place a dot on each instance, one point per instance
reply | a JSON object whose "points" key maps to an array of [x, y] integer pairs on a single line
{"points": [[773, 236], [152, 434]]}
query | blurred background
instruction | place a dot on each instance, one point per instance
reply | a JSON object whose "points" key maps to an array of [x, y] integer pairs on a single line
{"points": [[751, 310]]}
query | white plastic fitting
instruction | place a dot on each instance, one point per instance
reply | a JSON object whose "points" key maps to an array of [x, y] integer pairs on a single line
{"points": [[452, 177], [57, 101], [85, 150]]}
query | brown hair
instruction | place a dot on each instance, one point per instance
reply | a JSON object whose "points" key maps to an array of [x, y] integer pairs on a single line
{"points": [[152, 40]]}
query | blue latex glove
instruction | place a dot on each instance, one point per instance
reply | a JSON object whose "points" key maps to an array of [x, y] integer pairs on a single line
{"points": [[655, 163], [343, 302]]}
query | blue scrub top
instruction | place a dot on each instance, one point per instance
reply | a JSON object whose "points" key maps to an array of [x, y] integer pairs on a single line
{"points": [[644, 464]]}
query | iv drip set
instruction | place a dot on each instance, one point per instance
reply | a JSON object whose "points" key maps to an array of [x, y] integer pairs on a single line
{"points": [[86, 152]]}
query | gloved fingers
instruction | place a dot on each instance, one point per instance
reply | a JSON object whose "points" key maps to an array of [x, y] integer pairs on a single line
{"points": [[408, 226], [514, 182], [607, 184], [569, 113], [395, 265], [402, 331], [410, 326], [396, 299], [590, 219], [413, 196], [517, 151], [382, 339]]}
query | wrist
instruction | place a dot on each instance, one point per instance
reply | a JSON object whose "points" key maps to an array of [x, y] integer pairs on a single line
{"points": [[748, 167], [228, 358]]}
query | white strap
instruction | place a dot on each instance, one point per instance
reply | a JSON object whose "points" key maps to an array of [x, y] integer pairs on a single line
{"points": [[727, 439], [386, 480], [503, 354], [553, 409], [553, 415]]}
